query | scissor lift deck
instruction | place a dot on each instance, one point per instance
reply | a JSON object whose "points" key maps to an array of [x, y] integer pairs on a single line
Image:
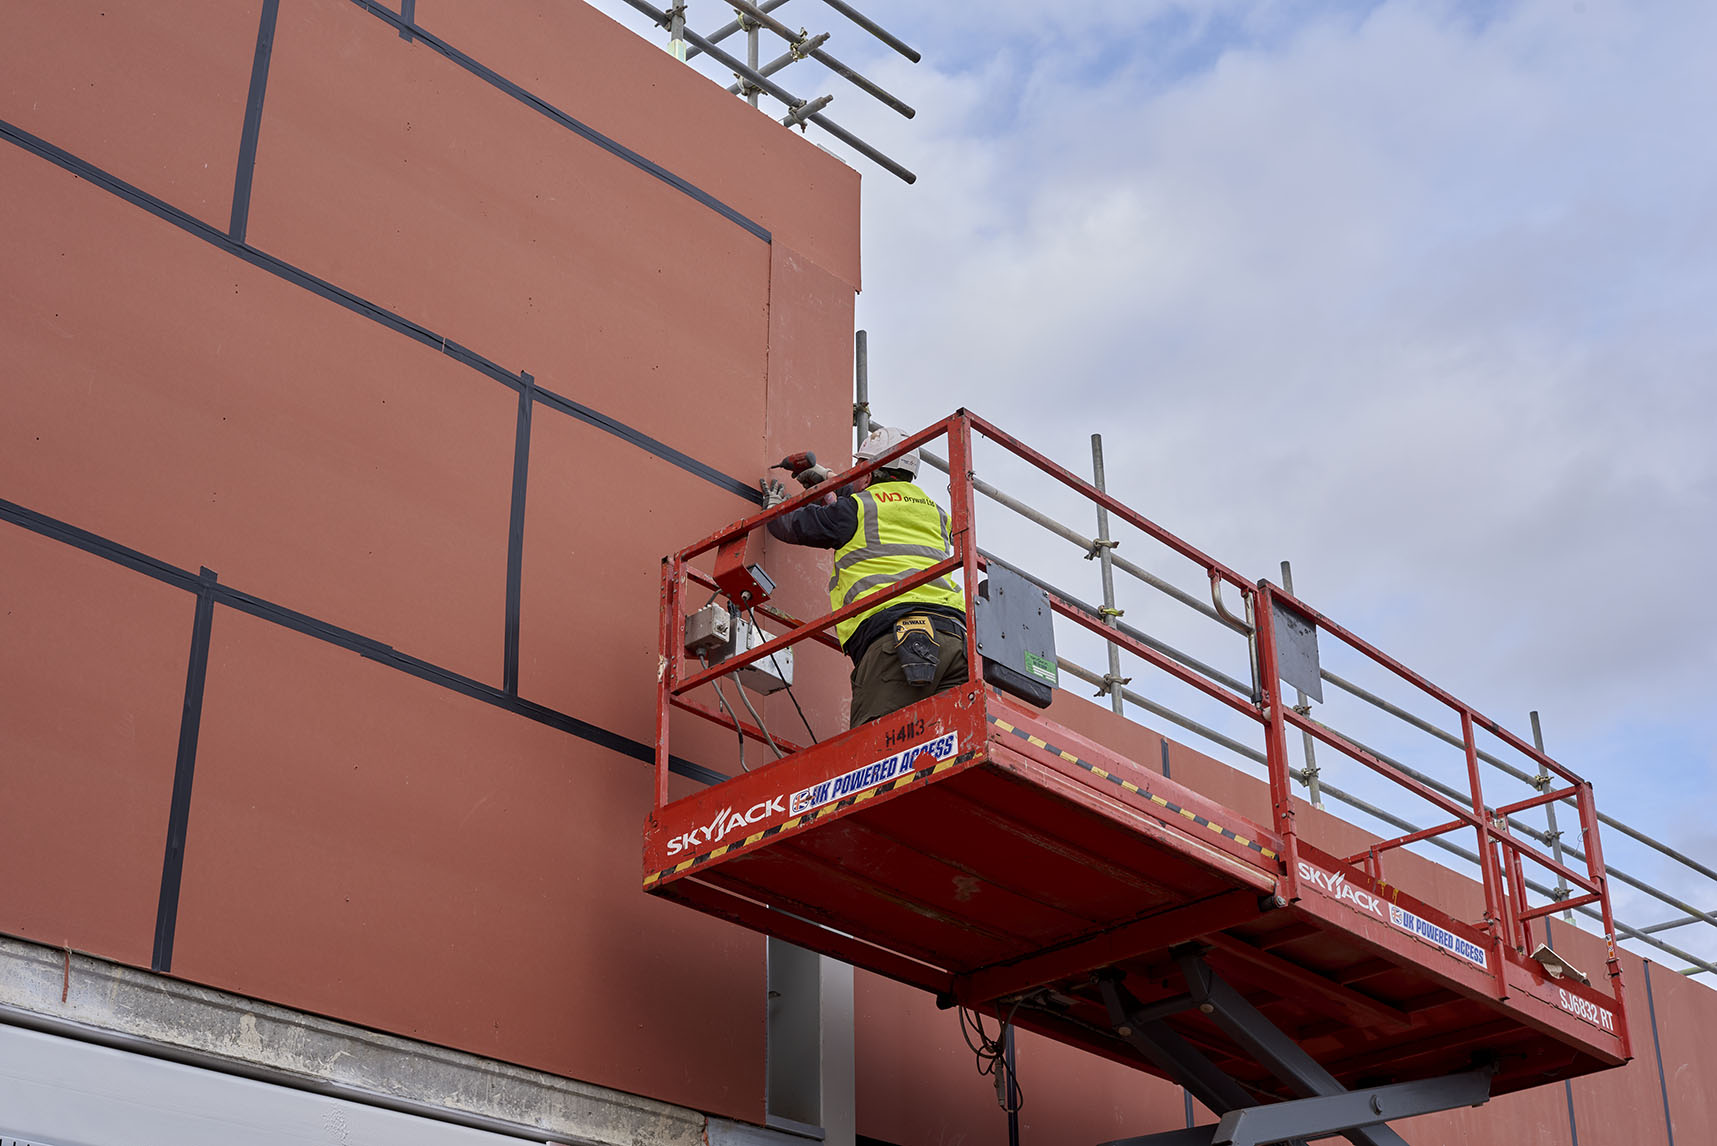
{"points": [[971, 846], [1031, 863]]}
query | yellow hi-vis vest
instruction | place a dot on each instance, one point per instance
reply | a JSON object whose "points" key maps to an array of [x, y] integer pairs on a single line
{"points": [[900, 531]]}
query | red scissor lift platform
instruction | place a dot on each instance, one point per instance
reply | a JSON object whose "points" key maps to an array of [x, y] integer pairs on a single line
{"points": [[970, 846]]}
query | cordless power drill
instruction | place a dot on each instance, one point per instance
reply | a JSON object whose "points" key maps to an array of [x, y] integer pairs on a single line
{"points": [[804, 468]]}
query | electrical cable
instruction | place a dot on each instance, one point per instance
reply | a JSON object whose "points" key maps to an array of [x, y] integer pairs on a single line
{"points": [[992, 1057], [731, 715], [752, 613], [746, 700]]}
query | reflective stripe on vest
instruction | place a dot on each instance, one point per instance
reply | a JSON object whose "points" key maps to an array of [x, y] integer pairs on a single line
{"points": [[901, 530]]}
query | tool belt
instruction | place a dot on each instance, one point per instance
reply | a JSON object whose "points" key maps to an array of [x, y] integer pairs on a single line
{"points": [[916, 645]]}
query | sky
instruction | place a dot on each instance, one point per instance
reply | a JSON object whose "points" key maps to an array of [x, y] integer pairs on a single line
{"points": [[1420, 295]]}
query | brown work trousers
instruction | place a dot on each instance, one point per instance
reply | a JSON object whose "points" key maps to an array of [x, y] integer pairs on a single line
{"points": [[879, 683]]}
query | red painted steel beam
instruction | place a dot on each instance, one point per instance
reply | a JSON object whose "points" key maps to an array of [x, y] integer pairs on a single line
{"points": [[1461, 1039], [1269, 679], [963, 529], [1126, 513], [749, 729], [1518, 846], [774, 614], [1403, 841], [1144, 652], [1168, 830], [735, 909], [776, 644], [1560, 905], [1424, 685], [1108, 948], [1496, 909], [1326, 995], [1535, 801], [747, 524], [1341, 744], [1521, 847]]}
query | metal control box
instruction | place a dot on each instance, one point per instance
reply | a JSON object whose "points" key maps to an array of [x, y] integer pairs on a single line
{"points": [[715, 633], [709, 632], [771, 674], [1016, 636]]}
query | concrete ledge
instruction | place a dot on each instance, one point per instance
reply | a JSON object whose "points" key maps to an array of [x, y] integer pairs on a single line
{"points": [[155, 1015]]}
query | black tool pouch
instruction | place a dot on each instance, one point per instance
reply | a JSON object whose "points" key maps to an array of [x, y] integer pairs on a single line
{"points": [[915, 645]]}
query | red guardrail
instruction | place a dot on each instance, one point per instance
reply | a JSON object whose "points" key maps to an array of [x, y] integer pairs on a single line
{"points": [[1507, 921]]}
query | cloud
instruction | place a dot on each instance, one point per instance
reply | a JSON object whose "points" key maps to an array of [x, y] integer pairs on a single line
{"points": [[1417, 294]]}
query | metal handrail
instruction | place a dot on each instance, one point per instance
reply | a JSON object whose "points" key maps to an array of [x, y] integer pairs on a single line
{"points": [[1508, 920], [1503, 924], [1550, 838]]}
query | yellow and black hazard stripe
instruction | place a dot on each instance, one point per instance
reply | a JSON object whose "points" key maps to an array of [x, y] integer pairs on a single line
{"points": [[1128, 785], [934, 769]]}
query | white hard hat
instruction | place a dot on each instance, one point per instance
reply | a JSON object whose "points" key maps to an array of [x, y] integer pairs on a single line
{"points": [[885, 438]]}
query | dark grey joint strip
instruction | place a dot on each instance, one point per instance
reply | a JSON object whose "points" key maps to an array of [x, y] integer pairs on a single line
{"points": [[1657, 1049], [650, 445], [516, 536], [538, 104], [166, 212], [252, 120], [96, 545], [366, 647], [1567, 1083], [179, 809], [363, 307], [408, 17]]}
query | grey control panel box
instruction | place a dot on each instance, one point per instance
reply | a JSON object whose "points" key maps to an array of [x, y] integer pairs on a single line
{"points": [[1016, 636], [717, 633]]}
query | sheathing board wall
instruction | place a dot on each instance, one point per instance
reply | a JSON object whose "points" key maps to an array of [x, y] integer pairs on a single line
{"points": [[337, 458], [426, 376]]}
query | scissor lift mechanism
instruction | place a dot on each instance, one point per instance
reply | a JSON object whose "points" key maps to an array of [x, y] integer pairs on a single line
{"points": [[971, 846]]}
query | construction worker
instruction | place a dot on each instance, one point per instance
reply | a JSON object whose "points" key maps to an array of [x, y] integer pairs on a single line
{"points": [[883, 529]]}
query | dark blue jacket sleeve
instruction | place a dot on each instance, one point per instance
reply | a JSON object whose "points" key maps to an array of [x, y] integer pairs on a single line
{"points": [[822, 526]]}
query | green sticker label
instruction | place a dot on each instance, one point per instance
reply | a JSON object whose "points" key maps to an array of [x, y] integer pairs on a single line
{"points": [[1041, 668]]}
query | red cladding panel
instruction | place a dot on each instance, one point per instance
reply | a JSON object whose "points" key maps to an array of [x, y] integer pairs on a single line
{"points": [[153, 93], [367, 845], [586, 65], [172, 398], [918, 1084], [1537, 1117], [387, 168], [92, 681], [808, 406], [598, 517], [1624, 1105], [1687, 1036]]}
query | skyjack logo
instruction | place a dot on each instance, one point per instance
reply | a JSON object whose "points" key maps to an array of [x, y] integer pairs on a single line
{"points": [[1337, 887], [726, 821], [1586, 1009]]}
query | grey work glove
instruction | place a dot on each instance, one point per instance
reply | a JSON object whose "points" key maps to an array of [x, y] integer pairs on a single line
{"points": [[815, 475], [774, 493]]}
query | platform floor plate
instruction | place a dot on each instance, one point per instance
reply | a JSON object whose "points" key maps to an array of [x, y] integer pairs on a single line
{"points": [[1025, 858]]}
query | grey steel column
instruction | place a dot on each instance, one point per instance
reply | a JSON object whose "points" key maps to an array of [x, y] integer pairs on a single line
{"points": [[1542, 782], [677, 31], [861, 384], [1303, 706], [751, 30], [1265, 1044], [1113, 681]]}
